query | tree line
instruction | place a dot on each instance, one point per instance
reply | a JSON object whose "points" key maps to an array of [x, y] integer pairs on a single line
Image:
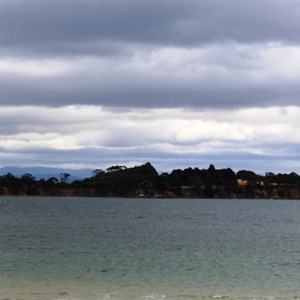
{"points": [[144, 181]]}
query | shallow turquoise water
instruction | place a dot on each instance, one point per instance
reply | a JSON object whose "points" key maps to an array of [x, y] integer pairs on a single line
{"points": [[87, 248]]}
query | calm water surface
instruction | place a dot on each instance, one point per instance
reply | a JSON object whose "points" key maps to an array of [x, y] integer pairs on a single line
{"points": [[123, 249]]}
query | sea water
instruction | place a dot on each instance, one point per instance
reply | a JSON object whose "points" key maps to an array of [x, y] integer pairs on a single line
{"points": [[127, 249]]}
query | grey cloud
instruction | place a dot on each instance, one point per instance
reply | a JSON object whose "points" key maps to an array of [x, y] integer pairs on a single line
{"points": [[115, 32], [147, 54], [163, 161], [68, 27], [146, 90]]}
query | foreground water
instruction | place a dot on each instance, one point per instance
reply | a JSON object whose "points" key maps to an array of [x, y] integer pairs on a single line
{"points": [[123, 249]]}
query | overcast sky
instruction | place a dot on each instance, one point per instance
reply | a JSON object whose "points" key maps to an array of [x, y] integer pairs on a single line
{"points": [[90, 84]]}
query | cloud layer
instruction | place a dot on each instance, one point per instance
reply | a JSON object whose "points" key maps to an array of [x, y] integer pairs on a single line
{"points": [[229, 75], [77, 136], [175, 83], [72, 26]]}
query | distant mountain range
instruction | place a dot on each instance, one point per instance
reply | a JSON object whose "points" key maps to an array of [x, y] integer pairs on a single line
{"points": [[45, 173]]}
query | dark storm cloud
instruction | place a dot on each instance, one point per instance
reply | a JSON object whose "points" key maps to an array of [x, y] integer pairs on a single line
{"points": [[65, 27]]}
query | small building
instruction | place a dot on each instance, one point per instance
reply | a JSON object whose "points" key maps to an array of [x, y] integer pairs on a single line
{"points": [[242, 182]]}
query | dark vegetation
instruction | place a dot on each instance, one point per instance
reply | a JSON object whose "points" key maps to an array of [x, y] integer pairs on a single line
{"points": [[144, 181]]}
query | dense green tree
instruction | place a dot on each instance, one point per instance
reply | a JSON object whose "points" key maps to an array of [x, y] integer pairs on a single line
{"points": [[28, 183], [145, 181]]}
